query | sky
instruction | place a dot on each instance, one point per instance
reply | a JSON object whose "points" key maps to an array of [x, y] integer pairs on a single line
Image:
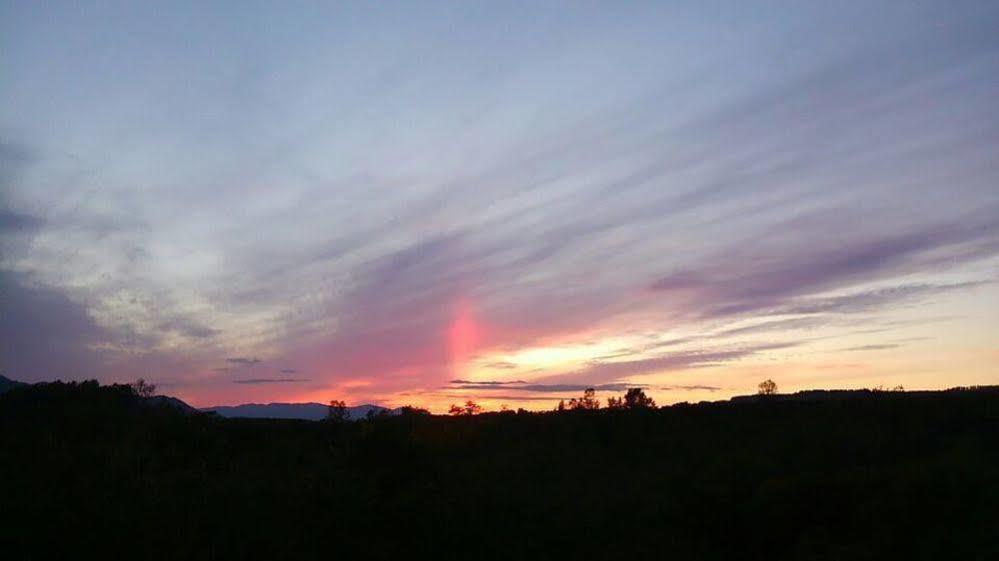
{"points": [[422, 203]]}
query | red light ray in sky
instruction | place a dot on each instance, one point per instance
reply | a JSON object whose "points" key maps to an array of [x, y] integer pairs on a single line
{"points": [[462, 336]]}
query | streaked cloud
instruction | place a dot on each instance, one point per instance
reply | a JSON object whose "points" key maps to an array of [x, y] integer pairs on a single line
{"points": [[878, 347], [645, 195], [271, 380], [244, 361]]}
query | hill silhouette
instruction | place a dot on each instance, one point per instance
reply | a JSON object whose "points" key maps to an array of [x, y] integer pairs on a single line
{"points": [[304, 411], [864, 475], [8, 384]]}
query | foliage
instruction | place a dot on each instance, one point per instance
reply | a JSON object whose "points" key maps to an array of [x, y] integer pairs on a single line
{"points": [[143, 388], [767, 387], [337, 411], [586, 402], [635, 398], [881, 388], [409, 410], [470, 408]]}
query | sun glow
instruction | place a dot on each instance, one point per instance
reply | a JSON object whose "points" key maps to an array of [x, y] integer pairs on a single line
{"points": [[554, 357]]}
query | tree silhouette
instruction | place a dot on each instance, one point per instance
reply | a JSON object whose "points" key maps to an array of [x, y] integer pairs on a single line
{"points": [[587, 402], [410, 410], [311, 486], [881, 388], [337, 411], [470, 408], [615, 403], [142, 388], [767, 387], [635, 398], [376, 414]]}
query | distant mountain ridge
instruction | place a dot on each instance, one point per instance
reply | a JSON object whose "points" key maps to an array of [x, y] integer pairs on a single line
{"points": [[8, 384], [305, 411]]}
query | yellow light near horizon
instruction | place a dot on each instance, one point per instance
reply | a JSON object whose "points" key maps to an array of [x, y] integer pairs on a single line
{"points": [[552, 357]]}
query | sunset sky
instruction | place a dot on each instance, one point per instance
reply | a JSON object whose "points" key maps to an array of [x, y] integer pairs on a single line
{"points": [[422, 203]]}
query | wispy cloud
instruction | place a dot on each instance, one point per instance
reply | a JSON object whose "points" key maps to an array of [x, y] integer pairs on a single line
{"points": [[271, 380], [604, 373], [188, 327], [876, 347], [244, 361], [693, 387], [744, 280], [707, 198], [526, 387], [502, 365], [488, 382]]}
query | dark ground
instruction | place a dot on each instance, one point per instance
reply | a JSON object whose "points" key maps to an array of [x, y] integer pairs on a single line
{"points": [[92, 471]]}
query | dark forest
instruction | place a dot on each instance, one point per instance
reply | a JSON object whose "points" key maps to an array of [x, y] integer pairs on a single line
{"points": [[99, 470]]}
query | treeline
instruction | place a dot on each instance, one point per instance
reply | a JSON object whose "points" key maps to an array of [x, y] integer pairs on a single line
{"points": [[104, 472]]}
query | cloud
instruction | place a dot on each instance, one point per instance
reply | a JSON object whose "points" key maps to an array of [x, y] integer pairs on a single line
{"points": [[691, 199], [866, 301], [188, 328], [502, 365], [15, 158], [579, 387], [522, 386], [44, 334], [782, 325], [15, 222], [570, 387], [511, 397], [694, 387], [488, 382], [742, 280], [271, 380], [527, 387], [244, 361], [875, 347], [288, 371], [612, 372]]}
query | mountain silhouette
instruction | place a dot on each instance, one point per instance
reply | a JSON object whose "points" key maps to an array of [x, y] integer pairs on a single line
{"points": [[305, 411], [7, 384]]}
